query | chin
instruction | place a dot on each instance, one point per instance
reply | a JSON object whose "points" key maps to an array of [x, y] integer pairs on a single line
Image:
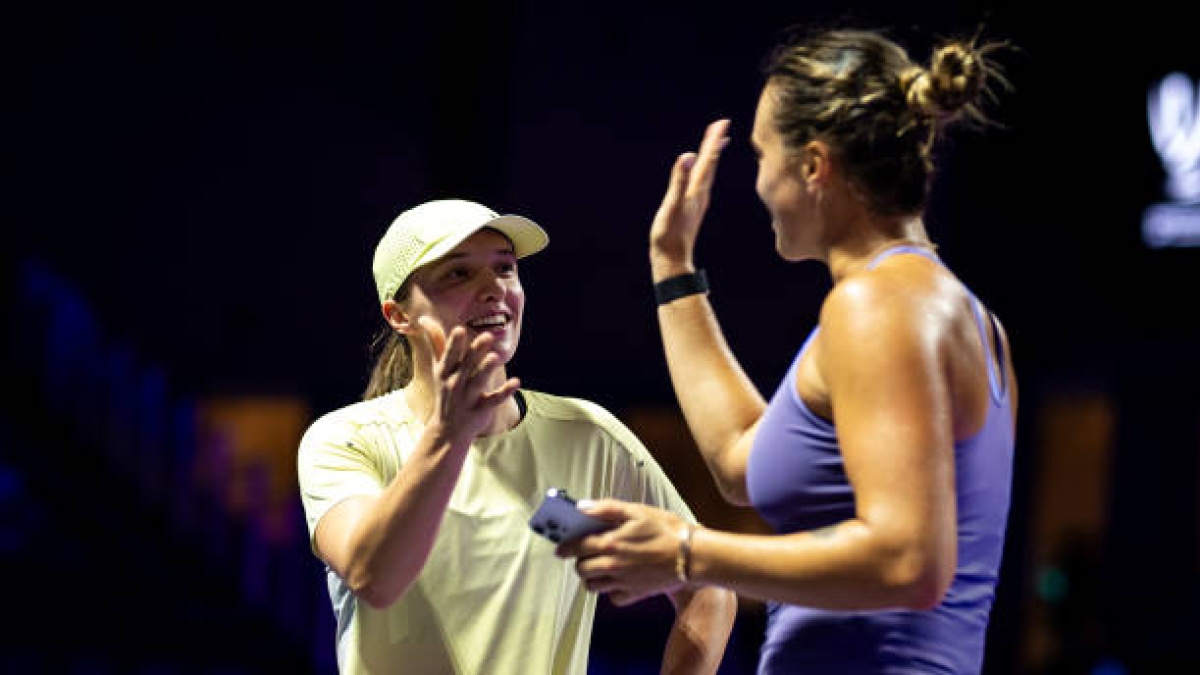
{"points": [[506, 350], [795, 256], [792, 250]]}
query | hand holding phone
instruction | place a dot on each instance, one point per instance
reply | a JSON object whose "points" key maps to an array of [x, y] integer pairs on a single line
{"points": [[559, 520]]}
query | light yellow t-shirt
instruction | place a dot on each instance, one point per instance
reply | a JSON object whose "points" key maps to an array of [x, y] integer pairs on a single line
{"points": [[492, 597]]}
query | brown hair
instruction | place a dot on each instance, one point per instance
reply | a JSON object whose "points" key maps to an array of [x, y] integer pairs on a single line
{"points": [[859, 92], [393, 367]]}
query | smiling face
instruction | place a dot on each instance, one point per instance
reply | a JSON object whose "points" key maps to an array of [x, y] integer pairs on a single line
{"points": [[474, 286], [782, 187]]}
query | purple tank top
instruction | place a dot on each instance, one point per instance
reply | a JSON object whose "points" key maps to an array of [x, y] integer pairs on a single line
{"points": [[796, 481]]}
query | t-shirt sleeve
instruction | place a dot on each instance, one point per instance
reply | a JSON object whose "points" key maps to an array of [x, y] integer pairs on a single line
{"points": [[334, 464], [643, 479]]}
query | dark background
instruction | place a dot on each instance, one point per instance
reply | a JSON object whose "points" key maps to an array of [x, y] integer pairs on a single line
{"points": [[211, 180]]}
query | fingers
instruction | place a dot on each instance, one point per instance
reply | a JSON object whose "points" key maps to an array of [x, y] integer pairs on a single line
{"points": [[455, 353], [608, 510], [476, 355], [717, 132], [629, 562], [716, 137], [680, 175], [569, 549], [589, 546], [468, 360], [601, 575], [601, 584], [466, 373], [456, 348], [501, 394], [692, 178], [447, 350]]}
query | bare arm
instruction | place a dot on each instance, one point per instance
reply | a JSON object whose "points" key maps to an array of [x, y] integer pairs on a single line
{"points": [[720, 403], [379, 545], [703, 621], [880, 356]]}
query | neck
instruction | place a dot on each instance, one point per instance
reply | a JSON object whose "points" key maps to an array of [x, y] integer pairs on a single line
{"points": [[871, 236]]}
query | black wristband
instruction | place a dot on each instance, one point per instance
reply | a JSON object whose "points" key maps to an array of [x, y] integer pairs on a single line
{"points": [[680, 286]]}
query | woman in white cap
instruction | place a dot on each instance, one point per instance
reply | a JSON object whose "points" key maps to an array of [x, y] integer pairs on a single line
{"points": [[418, 498]]}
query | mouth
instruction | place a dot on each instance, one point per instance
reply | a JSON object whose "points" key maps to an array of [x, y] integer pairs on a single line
{"points": [[496, 322]]}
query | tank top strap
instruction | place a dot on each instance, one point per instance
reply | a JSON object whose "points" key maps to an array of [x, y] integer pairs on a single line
{"points": [[896, 250], [983, 319], [994, 358], [792, 369]]}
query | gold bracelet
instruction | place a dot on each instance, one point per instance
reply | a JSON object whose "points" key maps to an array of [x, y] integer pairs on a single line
{"points": [[683, 557]]}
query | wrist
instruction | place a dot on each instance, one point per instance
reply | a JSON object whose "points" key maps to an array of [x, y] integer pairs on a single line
{"points": [[672, 288], [663, 265], [443, 439], [683, 554]]}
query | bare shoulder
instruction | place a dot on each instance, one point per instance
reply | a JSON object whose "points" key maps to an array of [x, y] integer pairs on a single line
{"points": [[906, 293], [900, 318]]}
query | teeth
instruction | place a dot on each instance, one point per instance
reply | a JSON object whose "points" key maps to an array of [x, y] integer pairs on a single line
{"points": [[488, 321]]}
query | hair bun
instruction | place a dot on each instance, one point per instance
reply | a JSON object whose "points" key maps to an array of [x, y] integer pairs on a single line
{"points": [[957, 76], [953, 81]]}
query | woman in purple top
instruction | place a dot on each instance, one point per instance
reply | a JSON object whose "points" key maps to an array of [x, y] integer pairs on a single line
{"points": [[884, 459]]}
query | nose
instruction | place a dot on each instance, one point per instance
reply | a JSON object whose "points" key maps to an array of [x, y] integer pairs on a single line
{"points": [[491, 287]]}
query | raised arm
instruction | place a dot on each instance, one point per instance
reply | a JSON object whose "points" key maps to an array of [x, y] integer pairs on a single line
{"points": [[883, 354], [720, 403], [379, 544], [884, 361]]}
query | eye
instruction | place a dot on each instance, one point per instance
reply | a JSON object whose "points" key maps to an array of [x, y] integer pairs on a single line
{"points": [[506, 268], [456, 274]]}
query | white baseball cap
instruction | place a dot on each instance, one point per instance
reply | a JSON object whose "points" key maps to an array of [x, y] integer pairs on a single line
{"points": [[427, 232]]}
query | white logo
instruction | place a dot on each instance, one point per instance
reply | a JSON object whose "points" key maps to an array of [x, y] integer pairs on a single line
{"points": [[1173, 110]]}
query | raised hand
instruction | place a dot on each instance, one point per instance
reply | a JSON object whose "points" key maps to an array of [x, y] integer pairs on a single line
{"points": [[632, 561], [677, 222], [465, 396]]}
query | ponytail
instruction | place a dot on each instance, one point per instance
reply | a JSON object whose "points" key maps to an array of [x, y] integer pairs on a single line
{"points": [[393, 364]]}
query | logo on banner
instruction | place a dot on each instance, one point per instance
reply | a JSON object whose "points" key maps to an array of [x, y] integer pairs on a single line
{"points": [[1173, 112]]}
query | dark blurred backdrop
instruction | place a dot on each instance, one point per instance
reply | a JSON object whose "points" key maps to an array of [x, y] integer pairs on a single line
{"points": [[194, 191]]}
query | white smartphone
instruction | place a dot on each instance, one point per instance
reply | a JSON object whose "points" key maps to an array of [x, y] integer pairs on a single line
{"points": [[559, 520]]}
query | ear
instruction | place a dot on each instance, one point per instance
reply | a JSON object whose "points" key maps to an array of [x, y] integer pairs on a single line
{"points": [[816, 163], [397, 318]]}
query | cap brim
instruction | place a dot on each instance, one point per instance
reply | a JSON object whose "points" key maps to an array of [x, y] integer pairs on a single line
{"points": [[527, 238]]}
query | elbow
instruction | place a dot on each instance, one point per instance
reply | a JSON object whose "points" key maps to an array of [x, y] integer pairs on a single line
{"points": [[731, 606], [376, 580], [731, 482], [377, 599], [710, 600], [369, 589], [722, 603], [734, 492], [924, 593], [918, 579]]}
